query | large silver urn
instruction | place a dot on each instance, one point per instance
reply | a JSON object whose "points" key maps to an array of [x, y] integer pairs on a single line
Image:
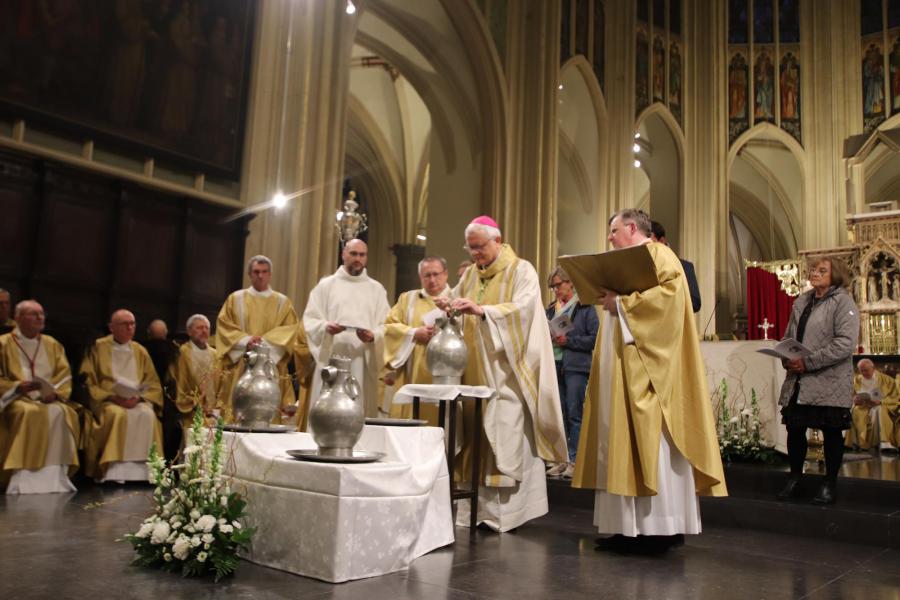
{"points": [[447, 355], [257, 395], [337, 417]]}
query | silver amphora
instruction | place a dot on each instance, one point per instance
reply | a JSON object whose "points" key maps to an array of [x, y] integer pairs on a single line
{"points": [[256, 397], [446, 354], [337, 417]]}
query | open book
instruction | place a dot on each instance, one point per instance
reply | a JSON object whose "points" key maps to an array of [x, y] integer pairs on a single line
{"points": [[125, 388], [868, 399], [49, 389], [561, 325], [788, 348], [624, 271]]}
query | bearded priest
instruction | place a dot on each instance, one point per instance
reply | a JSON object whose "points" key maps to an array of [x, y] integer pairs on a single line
{"points": [[126, 399], [247, 318], [345, 316], [648, 441], [408, 329], [39, 429], [510, 352]]}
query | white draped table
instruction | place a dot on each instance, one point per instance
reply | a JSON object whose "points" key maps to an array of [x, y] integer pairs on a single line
{"points": [[745, 369], [338, 522]]}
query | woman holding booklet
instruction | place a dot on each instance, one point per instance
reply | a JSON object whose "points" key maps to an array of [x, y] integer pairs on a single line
{"points": [[573, 329], [818, 390]]}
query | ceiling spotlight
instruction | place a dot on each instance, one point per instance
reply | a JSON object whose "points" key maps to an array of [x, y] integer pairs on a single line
{"points": [[560, 86], [419, 236], [351, 8], [279, 200], [637, 164], [637, 136], [636, 148]]}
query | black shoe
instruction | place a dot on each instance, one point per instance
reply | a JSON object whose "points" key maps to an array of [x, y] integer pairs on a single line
{"points": [[826, 494], [645, 545], [790, 490]]}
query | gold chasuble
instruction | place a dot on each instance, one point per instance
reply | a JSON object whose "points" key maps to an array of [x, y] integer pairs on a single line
{"points": [[107, 438], [304, 366], [196, 380], [510, 351], [247, 313], [636, 389], [25, 422], [864, 431], [403, 354]]}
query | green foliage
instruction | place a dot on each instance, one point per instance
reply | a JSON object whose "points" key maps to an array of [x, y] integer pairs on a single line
{"points": [[195, 528]]}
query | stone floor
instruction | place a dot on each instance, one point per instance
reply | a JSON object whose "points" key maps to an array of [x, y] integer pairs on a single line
{"points": [[59, 547]]}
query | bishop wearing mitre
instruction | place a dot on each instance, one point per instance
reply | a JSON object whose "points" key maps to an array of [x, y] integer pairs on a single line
{"points": [[39, 429], [248, 317], [126, 399]]}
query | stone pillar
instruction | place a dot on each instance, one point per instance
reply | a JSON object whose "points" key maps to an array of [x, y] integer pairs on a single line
{"points": [[408, 257], [299, 238], [528, 213]]}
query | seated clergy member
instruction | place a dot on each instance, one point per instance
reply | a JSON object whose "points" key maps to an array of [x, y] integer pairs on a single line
{"points": [[406, 334], [125, 399], [874, 405], [194, 372], [249, 317], [39, 429]]}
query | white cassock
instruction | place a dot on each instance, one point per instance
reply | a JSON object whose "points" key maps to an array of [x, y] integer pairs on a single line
{"points": [[53, 477], [141, 419], [676, 506], [354, 301]]}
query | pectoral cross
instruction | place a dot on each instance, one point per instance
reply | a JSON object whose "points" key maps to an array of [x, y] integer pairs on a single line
{"points": [[765, 326]]}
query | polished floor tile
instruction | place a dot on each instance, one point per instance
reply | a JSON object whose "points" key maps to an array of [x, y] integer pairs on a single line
{"points": [[552, 557]]}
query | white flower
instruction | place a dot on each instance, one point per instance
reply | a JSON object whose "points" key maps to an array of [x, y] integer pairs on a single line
{"points": [[226, 528], [167, 557], [160, 532], [181, 548], [176, 523], [145, 530], [236, 524], [195, 541], [190, 529], [747, 412], [733, 420], [201, 557], [206, 523], [195, 514], [208, 538], [224, 501], [188, 450]]}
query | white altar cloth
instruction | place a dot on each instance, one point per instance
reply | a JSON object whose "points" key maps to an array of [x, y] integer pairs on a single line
{"points": [[745, 369], [432, 392], [338, 522]]}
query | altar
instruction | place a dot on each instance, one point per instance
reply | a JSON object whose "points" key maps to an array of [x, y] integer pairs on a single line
{"points": [[338, 522], [744, 369]]}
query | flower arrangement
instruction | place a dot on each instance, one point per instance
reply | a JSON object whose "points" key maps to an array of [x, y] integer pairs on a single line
{"points": [[195, 527], [739, 433]]}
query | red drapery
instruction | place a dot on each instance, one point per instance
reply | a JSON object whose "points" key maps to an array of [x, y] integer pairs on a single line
{"points": [[766, 300]]}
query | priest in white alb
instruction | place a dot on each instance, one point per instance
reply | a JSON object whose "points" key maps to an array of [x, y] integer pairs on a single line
{"points": [[510, 352], [194, 372], [345, 316], [648, 441], [126, 399], [39, 428], [248, 317], [408, 329]]}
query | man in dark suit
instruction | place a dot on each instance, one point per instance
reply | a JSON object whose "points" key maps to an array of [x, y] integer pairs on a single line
{"points": [[658, 234]]}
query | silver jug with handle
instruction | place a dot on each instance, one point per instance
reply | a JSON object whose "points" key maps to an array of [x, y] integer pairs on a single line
{"points": [[446, 354], [337, 417], [256, 397]]}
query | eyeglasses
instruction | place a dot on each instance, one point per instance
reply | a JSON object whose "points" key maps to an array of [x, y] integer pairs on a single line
{"points": [[475, 247], [553, 286]]}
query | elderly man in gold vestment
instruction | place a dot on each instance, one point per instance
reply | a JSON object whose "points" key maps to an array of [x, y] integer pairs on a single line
{"points": [[510, 352], [648, 440], [194, 372], [249, 317], [39, 429], [408, 329], [875, 407], [126, 399]]}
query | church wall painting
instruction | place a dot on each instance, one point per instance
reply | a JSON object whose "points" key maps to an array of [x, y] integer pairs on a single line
{"points": [[162, 79], [789, 87], [763, 87], [659, 68], [675, 81], [873, 84], [642, 71], [738, 88]]}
